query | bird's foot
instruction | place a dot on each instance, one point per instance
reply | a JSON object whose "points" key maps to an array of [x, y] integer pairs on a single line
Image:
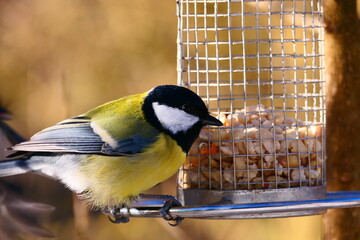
{"points": [[114, 215], [165, 213]]}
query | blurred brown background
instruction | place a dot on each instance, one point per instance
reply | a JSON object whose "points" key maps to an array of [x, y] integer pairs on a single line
{"points": [[59, 58]]}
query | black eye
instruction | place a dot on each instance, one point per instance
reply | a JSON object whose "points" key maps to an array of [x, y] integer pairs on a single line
{"points": [[186, 108]]}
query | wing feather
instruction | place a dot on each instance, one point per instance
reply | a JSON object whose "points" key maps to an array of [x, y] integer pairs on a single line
{"points": [[72, 135], [76, 135]]}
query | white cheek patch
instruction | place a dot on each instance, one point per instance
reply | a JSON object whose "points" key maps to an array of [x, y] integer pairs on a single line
{"points": [[174, 119], [104, 135]]}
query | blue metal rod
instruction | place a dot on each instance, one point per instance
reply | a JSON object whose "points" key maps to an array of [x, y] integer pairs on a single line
{"points": [[258, 208]]}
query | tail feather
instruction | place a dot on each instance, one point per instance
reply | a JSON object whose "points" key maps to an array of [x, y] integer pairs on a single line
{"points": [[20, 166]]}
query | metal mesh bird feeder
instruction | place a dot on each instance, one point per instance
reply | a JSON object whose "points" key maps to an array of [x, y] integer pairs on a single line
{"points": [[258, 64]]}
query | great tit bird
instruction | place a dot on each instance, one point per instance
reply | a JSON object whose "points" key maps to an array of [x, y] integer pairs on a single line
{"points": [[112, 153]]}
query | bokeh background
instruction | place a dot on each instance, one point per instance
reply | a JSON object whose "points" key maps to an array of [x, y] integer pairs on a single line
{"points": [[59, 58]]}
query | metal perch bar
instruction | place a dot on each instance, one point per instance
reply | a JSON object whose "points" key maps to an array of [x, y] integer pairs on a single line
{"points": [[150, 207]]}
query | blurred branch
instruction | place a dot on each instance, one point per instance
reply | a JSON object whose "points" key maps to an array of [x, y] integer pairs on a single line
{"points": [[10, 133], [342, 52], [18, 215]]}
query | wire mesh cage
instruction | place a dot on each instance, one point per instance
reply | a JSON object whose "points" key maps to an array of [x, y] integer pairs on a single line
{"points": [[259, 67]]}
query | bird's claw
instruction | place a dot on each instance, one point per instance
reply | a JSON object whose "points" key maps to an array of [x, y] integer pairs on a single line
{"points": [[119, 219], [114, 215], [165, 214]]}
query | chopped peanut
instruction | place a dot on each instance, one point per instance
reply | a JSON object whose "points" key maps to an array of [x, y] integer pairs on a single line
{"points": [[205, 149], [269, 158], [227, 148], [298, 175], [294, 161], [312, 174]]}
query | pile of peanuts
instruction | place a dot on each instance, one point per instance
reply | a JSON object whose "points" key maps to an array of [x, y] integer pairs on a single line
{"points": [[257, 148]]}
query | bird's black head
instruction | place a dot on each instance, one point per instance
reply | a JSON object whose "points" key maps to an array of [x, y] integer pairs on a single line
{"points": [[178, 112]]}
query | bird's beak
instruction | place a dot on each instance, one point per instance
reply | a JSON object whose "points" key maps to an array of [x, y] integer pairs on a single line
{"points": [[210, 120]]}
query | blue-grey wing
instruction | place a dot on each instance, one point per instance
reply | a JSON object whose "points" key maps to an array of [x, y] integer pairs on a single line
{"points": [[134, 144], [76, 135]]}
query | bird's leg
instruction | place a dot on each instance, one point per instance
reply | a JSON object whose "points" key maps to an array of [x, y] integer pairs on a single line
{"points": [[165, 213], [114, 214]]}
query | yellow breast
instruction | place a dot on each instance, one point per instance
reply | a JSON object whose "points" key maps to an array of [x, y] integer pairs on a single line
{"points": [[116, 180]]}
